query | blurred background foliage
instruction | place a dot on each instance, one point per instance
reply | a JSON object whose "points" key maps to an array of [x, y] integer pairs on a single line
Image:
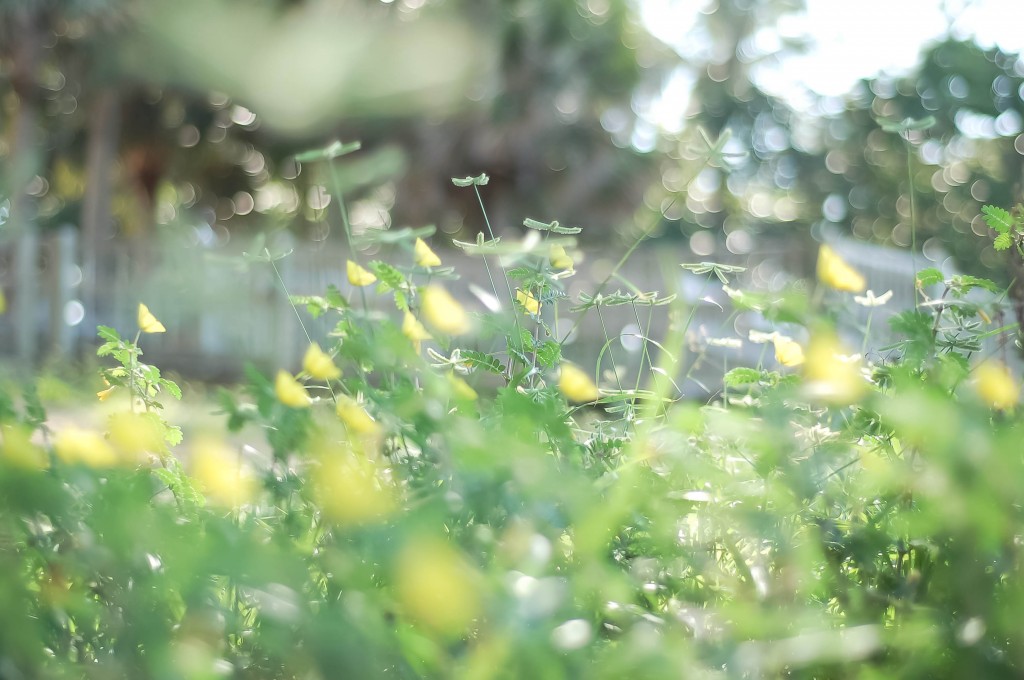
{"points": [[134, 118]]}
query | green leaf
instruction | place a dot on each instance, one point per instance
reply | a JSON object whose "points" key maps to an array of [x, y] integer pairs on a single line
{"points": [[172, 435], [331, 151], [552, 226], [171, 387], [474, 359], [997, 218], [108, 334], [392, 236], [962, 283], [1002, 242], [479, 180], [391, 278], [549, 353], [741, 376], [335, 298], [929, 277]]}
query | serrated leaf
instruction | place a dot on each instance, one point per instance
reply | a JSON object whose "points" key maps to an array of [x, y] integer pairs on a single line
{"points": [[549, 353], [391, 278], [520, 273], [997, 218], [335, 298], [108, 334], [172, 435], [171, 387], [474, 359], [962, 283], [741, 376], [929, 277], [556, 229], [1002, 242]]}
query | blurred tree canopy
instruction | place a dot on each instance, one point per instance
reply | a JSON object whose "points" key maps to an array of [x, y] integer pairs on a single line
{"points": [[130, 118]]}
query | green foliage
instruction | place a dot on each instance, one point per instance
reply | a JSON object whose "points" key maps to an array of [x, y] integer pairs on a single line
{"points": [[401, 510]]}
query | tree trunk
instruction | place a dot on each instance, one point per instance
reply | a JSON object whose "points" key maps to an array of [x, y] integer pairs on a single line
{"points": [[104, 136], [23, 168]]}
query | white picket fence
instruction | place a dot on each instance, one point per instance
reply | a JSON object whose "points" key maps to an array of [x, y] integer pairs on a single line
{"points": [[221, 310]]}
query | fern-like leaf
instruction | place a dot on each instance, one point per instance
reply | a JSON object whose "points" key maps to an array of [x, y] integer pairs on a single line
{"points": [[997, 218]]}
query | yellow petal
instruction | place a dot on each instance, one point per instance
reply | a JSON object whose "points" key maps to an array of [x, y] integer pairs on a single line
{"points": [[355, 417], [835, 273], [18, 449], [413, 329], [352, 489], [559, 258], [3, 301], [74, 445], [577, 385], [224, 478], [461, 388], [830, 377], [290, 391], [149, 323], [995, 385], [136, 434], [103, 395], [424, 256], [318, 364], [443, 312], [436, 587], [529, 303], [788, 352], [358, 276]]}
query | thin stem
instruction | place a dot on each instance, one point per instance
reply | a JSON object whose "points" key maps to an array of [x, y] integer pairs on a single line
{"points": [[508, 286], [298, 316], [611, 353], [131, 372], [867, 332], [490, 232], [913, 218]]}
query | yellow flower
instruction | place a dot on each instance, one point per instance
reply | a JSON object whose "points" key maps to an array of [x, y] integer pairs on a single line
{"points": [[3, 301], [224, 478], [437, 587], [149, 323], [414, 330], [835, 273], [358, 276], [19, 450], [830, 375], [995, 385], [559, 259], [355, 417], [351, 489], [424, 256], [74, 445], [530, 303], [577, 385], [318, 364], [103, 395], [135, 434], [443, 312], [788, 352], [290, 391], [461, 388]]}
